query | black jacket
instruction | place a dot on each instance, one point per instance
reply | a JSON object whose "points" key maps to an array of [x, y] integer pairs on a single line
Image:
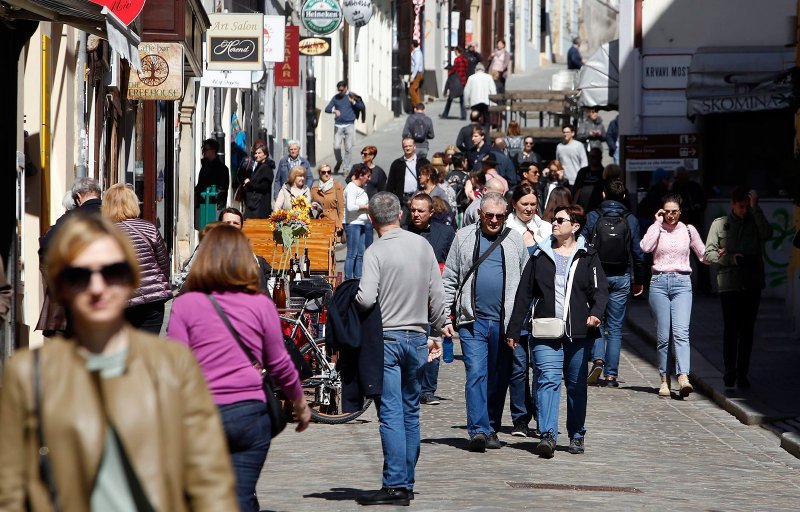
{"points": [[439, 235], [589, 292], [89, 207], [258, 192], [359, 339], [397, 176], [212, 172]]}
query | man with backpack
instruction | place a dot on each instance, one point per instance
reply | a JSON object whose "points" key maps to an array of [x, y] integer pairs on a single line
{"points": [[420, 128], [614, 233]]}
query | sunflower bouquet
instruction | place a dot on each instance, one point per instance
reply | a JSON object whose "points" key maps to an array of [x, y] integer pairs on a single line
{"points": [[290, 226]]}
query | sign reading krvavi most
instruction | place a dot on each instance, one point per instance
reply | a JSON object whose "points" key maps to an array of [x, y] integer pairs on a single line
{"points": [[161, 77], [321, 16], [235, 42]]}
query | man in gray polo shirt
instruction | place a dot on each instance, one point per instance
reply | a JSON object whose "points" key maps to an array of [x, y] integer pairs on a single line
{"points": [[411, 297]]}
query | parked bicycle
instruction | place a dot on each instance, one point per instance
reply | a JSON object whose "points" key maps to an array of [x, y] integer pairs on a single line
{"points": [[323, 389]]}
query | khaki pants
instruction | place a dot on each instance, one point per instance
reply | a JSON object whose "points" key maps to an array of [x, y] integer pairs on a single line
{"points": [[413, 90]]}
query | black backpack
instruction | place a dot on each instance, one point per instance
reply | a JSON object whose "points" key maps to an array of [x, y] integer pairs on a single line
{"points": [[611, 238], [418, 129]]}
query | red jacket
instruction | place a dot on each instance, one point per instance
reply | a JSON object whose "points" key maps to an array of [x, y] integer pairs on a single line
{"points": [[460, 66]]}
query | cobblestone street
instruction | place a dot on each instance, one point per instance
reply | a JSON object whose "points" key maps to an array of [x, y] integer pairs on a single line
{"points": [[655, 453]]}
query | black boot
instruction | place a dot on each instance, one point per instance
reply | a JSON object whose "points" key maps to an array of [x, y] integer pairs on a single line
{"points": [[385, 496]]}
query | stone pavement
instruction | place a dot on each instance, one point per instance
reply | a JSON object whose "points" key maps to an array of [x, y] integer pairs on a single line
{"points": [[654, 454], [772, 400]]}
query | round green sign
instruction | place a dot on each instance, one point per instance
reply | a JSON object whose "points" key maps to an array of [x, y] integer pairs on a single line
{"points": [[321, 16]]}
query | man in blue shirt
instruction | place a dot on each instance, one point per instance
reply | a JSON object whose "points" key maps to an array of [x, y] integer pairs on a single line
{"points": [[345, 107], [483, 299], [574, 59], [417, 71]]}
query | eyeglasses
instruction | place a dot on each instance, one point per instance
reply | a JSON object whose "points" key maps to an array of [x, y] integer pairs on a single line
{"points": [[324, 172], [498, 216], [529, 143], [535, 173], [365, 153], [561, 220], [76, 279], [672, 212]]}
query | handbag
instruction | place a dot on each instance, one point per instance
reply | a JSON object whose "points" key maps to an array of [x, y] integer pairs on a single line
{"points": [[553, 328], [474, 267], [277, 416]]}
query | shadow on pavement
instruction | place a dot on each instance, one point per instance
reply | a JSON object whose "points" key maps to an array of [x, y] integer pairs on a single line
{"points": [[461, 443], [338, 494]]}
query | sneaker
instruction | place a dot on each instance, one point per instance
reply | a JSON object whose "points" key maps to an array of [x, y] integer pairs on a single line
{"points": [[595, 373], [576, 446], [610, 382], [520, 430], [429, 400], [534, 433], [494, 442], [546, 447], [385, 496], [477, 443]]}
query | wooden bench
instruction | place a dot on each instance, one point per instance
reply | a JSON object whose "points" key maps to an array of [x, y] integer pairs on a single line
{"points": [[540, 134], [320, 245], [521, 104]]}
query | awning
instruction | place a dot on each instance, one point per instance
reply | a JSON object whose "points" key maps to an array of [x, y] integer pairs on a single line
{"points": [[81, 14], [725, 80], [598, 79]]}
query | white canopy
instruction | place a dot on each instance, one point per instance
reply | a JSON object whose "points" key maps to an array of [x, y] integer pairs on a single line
{"points": [[598, 79]]}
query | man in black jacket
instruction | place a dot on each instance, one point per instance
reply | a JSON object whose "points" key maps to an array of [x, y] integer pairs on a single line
{"points": [[464, 139], [440, 236], [212, 172], [403, 180]]}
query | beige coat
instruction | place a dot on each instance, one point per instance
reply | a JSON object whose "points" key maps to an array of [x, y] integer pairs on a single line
{"points": [[160, 407]]}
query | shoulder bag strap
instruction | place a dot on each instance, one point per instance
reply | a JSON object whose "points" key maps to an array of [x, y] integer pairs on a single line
{"points": [[569, 288], [45, 469], [480, 260], [256, 364]]}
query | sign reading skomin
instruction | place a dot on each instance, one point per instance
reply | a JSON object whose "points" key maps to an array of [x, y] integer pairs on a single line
{"points": [[321, 16], [235, 42], [161, 77]]}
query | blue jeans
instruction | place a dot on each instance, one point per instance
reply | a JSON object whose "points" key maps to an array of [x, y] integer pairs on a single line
{"points": [[369, 234], [404, 353], [449, 102], [671, 302], [430, 378], [355, 250], [487, 360], [607, 347], [247, 430], [552, 359], [521, 401]]}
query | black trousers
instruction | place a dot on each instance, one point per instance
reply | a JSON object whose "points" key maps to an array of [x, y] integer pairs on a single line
{"points": [[483, 110], [739, 310], [147, 317]]}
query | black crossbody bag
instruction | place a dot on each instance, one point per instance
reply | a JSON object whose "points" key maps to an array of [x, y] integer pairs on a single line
{"points": [[474, 267], [277, 417]]}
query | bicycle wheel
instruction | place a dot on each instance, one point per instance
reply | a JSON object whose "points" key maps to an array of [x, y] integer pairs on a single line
{"points": [[323, 390]]}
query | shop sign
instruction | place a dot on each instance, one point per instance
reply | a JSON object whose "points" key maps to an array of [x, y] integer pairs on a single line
{"points": [[287, 73], [321, 16], [161, 77], [227, 79], [665, 72], [315, 46], [274, 37], [125, 10], [667, 151], [357, 12], [235, 42], [739, 103]]}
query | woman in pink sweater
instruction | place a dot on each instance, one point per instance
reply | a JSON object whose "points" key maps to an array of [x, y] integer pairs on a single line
{"points": [[671, 287], [223, 268]]}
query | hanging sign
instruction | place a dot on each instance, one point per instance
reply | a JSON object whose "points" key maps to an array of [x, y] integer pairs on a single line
{"points": [[161, 77], [321, 16], [274, 37], [315, 46], [357, 12], [287, 73], [235, 42], [125, 10]]}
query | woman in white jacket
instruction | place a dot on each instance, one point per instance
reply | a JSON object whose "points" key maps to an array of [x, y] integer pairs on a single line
{"points": [[523, 218]]}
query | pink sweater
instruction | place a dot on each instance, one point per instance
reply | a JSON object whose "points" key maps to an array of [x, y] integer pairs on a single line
{"points": [[670, 246], [230, 376]]}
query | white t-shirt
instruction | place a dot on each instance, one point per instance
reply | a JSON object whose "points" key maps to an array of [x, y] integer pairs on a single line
{"points": [[354, 198], [411, 183]]}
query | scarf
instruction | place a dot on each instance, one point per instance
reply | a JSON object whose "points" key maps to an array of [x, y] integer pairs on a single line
{"points": [[534, 226], [325, 187]]}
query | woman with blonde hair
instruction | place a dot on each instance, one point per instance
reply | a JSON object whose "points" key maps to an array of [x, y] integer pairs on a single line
{"points": [[294, 187], [113, 418], [223, 287], [146, 306], [327, 197]]}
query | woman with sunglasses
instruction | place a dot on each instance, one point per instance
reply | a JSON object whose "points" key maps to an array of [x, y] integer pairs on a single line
{"points": [[356, 221], [125, 417], [376, 183], [327, 197], [544, 292], [146, 306], [223, 269], [670, 241], [552, 176]]}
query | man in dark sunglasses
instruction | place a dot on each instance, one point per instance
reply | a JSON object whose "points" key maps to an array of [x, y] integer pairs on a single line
{"points": [[480, 278]]}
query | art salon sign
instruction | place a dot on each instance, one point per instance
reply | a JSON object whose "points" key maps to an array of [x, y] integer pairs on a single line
{"points": [[235, 42]]}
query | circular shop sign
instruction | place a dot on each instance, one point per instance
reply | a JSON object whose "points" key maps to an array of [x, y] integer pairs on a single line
{"points": [[321, 16], [357, 12]]}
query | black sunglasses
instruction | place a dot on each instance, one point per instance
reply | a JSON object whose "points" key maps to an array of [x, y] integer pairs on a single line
{"points": [[76, 279], [498, 216], [561, 220]]}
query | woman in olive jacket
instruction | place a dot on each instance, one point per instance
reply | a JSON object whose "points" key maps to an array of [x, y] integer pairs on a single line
{"points": [[544, 281]]}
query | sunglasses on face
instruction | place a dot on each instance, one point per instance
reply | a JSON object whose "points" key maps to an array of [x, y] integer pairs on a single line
{"points": [[324, 172], [498, 216], [76, 279], [366, 154], [561, 220]]}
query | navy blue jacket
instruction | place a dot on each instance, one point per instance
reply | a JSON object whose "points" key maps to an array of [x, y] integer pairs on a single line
{"points": [[637, 255], [506, 168], [347, 110], [439, 235]]}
